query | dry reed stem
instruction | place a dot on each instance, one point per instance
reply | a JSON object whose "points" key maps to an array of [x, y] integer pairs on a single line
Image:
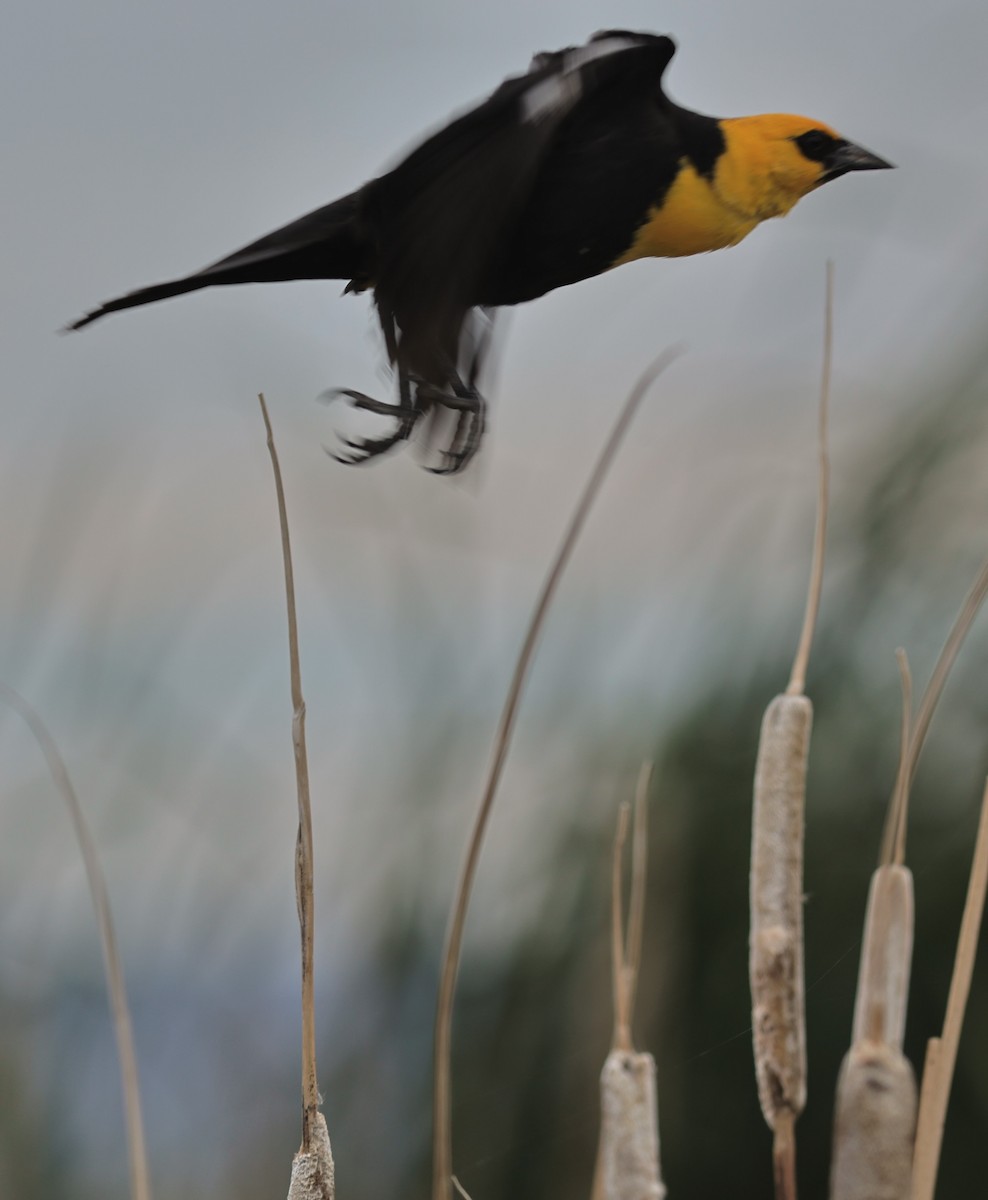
{"points": [[628, 1151], [140, 1183], [875, 1111], [639, 882], [894, 835], [626, 948], [880, 1005], [775, 962], [873, 1125], [776, 937], [442, 1138], [797, 680], [621, 1039], [315, 1138], [942, 1052], [965, 619], [784, 1155]]}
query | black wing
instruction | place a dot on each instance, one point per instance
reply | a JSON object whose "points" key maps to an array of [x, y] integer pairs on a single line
{"points": [[424, 234], [441, 217]]}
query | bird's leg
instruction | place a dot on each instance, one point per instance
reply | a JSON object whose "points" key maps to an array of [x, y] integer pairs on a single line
{"points": [[485, 318], [406, 412], [466, 399], [418, 395], [471, 409]]}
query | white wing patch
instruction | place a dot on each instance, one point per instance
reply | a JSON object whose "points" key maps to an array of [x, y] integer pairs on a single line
{"points": [[560, 92]]}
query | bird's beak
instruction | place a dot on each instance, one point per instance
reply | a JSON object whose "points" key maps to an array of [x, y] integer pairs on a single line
{"points": [[848, 157]]}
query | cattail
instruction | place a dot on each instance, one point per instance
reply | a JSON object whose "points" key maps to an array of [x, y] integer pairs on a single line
{"points": [[875, 1116], [886, 957], [313, 1174], [775, 961], [313, 1171], [941, 1052], [776, 894], [629, 1138], [873, 1126]]}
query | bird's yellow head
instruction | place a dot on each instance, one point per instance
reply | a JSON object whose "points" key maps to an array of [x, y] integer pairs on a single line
{"points": [[773, 160]]}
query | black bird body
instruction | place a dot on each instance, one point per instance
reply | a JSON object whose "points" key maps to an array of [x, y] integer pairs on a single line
{"points": [[564, 172]]}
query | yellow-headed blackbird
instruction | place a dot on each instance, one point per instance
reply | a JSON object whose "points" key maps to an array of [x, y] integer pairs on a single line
{"points": [[577, 166]]}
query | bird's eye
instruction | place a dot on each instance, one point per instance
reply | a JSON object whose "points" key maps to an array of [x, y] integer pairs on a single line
{"points": [[815, 144]]}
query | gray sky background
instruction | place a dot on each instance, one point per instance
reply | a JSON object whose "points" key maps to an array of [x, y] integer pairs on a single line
{"points": [[141, 593]]}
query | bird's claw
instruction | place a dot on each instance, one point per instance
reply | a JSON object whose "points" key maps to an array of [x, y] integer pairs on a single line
{"points": [[471, 420], [361, 400], [463, 400], [466, 440], [365, 449]]}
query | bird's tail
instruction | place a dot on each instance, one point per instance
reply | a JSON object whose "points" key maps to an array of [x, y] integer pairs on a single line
{"points": [[325, 244]]}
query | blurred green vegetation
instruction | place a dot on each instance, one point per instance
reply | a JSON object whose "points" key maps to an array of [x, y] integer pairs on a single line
{"points": [[533, 1020]]}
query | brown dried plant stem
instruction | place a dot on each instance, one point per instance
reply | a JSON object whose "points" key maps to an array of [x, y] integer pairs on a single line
{"points": [[875, 1108], [894, 835], [951, 648], [626, 949], [628, 1152], [797, 680], [776, 891], [442, 1148], [312, 1169], [876, 1117], [941, 1055], [140, 1184], [875, 1111]]}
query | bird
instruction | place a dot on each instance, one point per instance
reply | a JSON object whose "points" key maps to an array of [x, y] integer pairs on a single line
{"points": [[575, 167]]}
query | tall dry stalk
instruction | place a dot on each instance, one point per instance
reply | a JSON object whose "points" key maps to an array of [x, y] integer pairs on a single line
{"points": [[941, 1052], [628, 1153], [775, 962], [442, 1135], [313, 1171], [875, 1108], [140, 1182], [876, 1121]]}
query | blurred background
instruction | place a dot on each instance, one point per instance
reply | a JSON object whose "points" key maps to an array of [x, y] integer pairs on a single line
{"points": [[143, 612]]}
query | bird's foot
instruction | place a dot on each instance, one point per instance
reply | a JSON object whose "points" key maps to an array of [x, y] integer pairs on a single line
{"points": [[471, 420], [362, 450], [418, 397]]}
